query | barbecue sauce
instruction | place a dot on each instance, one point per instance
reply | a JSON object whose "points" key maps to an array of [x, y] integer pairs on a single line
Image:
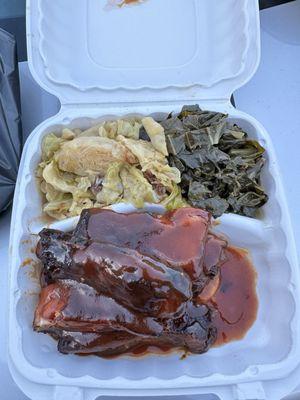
{"points": [[223, 284], [155, 236], [236, 300]]}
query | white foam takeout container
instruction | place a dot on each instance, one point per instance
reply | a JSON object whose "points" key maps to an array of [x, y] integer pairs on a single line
{"points": [[142, 59]]}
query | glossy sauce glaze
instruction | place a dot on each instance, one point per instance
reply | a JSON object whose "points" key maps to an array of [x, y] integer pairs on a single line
{"points": [[153, 236], [134, 284], [236, 300]]}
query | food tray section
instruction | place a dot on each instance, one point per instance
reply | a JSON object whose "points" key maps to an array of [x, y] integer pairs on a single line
{"points": [[260, 356]]}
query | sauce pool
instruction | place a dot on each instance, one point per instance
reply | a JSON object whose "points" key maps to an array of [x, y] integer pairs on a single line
{"points": [[236, 300]]}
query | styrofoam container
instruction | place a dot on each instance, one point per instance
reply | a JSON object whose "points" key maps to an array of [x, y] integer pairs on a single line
{"points": [[140, 60]]}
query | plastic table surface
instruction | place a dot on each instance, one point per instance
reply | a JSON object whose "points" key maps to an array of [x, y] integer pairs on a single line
{"points": [[272, 96]]}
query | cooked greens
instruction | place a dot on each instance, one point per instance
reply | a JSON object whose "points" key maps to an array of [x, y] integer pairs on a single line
{"points": [[220, 166], [107, 164], [195, 157]]}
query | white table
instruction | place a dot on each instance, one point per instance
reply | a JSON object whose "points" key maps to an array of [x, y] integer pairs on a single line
{"points": [[272, 96]]}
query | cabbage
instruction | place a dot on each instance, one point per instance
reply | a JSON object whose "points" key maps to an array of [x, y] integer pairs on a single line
{"points": [[110, 153], [112, 186], [68, 134], [123, 182], [78, 205], [103, 132], [84, 183], [55, 195], [50, 144], [85, 156], [165, 174], [57, 180], [111, 128], [143, 150], [156, 134], [129, 129], [137, 190], [67, 207], [174, 200], [40, 169], [58, 209], [91, 132]]}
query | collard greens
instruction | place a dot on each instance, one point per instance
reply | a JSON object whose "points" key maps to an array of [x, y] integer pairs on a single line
{"points": [[220, 166]]}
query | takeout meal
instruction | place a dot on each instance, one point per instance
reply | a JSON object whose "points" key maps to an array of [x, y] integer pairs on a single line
{"points": [[139, 283], [113, 286], [194, 158]]}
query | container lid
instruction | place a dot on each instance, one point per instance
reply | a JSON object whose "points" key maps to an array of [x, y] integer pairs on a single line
{"points": [[106, 51]]}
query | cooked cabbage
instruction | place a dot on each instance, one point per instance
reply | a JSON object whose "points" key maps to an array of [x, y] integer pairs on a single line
{"points": [[174, 200], [165, 174], [111, 129], [112, 189], [68, 134], [58, 180], [55, 195], [87, 156], [78, 205], [156, 134], [58, 209], [50, 144], [106, 164], [129, 129], [90, 132], [136, 189], [143, 150]]}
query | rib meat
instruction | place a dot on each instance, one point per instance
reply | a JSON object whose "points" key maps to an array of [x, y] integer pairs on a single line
{"points": [[173, 244], [137, 281], [177, 237], [214, 257], [70, 306], [122, 282]]}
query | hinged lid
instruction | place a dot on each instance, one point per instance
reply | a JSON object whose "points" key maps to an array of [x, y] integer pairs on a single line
{"points": [[156, 50]]}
